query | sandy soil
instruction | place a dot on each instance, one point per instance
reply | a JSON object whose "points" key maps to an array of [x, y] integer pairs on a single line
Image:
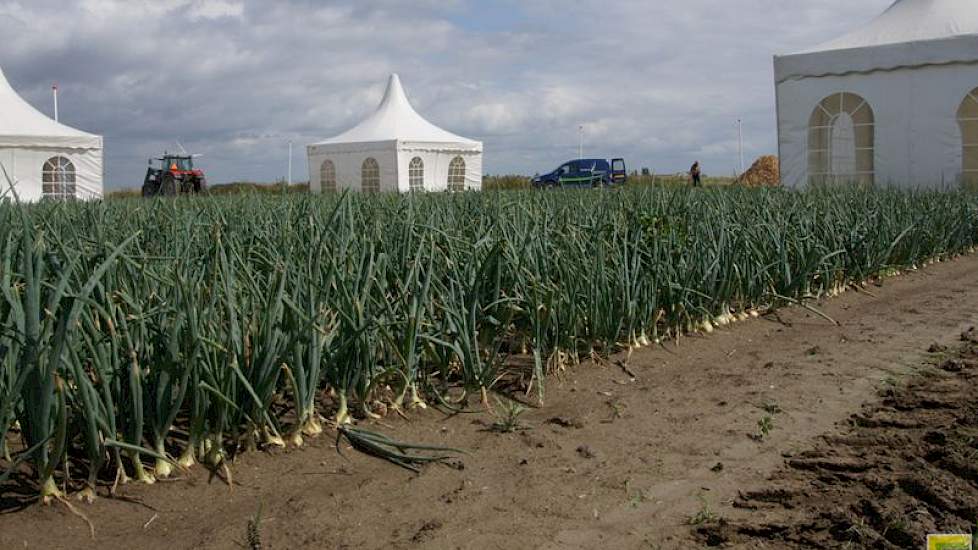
{"points": [[907, 467], [612, 461]]}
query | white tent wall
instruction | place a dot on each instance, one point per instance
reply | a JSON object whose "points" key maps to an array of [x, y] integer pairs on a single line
{"points": [[436, 164], [348, 163], [917, 138], [25, 167]]}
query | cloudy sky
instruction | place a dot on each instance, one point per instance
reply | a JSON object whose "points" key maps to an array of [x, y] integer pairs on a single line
{"points": [[659, 82]]}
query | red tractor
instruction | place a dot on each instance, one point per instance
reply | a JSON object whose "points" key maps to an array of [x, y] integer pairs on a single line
{"points": [[175, 176]]}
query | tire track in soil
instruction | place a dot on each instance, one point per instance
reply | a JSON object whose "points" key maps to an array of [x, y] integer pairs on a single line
{"points": [[907, 467]]}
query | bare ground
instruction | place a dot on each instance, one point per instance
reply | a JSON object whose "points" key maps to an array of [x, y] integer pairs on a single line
{"points": [[907, 467], [612, 461]]}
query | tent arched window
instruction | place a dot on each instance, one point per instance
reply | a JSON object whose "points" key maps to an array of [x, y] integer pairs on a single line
{"points": [[416, 174], [456, 174], [58, 179], [370, 176], [968, 122], [841, 139], [327, 176]]}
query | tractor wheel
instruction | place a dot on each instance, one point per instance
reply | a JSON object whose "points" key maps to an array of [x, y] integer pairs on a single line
{"points": [[151, 184], [200, 185], [169, 186]]}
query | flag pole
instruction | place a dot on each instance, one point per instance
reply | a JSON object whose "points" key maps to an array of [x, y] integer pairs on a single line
{"points": [[54, 90]]}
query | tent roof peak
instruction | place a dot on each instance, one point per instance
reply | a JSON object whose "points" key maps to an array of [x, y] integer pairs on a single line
{"points": [[910, 21], [395, 119]]}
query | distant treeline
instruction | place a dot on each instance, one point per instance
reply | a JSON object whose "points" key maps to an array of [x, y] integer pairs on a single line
{"points": [[674, 180], [234, 188], [489, 183], [500, 183], [495, 183]]}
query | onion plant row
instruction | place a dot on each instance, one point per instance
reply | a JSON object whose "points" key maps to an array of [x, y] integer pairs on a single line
{"points": [[139, 337]]}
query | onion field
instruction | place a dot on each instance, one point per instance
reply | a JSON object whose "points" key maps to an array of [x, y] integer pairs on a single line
{"points": [[144, 336]]}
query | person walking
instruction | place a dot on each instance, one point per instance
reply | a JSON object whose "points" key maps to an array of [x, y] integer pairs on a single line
{"points": [[695, 175]]}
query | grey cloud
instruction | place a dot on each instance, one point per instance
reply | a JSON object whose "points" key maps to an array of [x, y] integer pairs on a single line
{"points": [[658, 82]]}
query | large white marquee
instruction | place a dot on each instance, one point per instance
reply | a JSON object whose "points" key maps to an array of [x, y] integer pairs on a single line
{"points": [[894, 102], [395, 149]]}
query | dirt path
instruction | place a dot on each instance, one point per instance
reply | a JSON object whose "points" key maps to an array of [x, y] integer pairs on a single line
{"points": [[610, 462], [906, 468]]}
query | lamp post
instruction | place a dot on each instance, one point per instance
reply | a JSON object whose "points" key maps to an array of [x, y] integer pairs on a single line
{"points": [[290, 163], [580, 148], [740, 143]]}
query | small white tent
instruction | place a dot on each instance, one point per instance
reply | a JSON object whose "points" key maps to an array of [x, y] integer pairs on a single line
{"points": [[395, 149], [894, 102], [45, 159]]}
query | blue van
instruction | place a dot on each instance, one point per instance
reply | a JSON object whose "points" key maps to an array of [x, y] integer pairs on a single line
{"points": [[585, 173]]}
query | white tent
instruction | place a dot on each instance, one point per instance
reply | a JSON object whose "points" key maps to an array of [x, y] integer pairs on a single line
{"points": [[395, 149], [894, 102], [45, 159]]}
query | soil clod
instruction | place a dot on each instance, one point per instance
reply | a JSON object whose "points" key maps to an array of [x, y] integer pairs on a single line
{"points": [[904, 469], [586, 452], [565, 422]]}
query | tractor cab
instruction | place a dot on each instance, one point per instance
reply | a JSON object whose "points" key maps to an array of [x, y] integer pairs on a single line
{"points": [[177, 164], [176, 175]]}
